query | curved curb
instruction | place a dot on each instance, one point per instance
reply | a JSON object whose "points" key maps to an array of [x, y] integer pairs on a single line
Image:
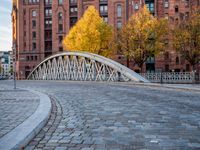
{"points": [[22, 134]]}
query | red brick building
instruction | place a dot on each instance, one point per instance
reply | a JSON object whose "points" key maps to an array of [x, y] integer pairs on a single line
{"points": [[40, 25]]}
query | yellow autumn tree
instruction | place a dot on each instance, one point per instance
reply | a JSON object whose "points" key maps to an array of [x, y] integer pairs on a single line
{"points": [[186, 38], [142, 37], [90, 34]]}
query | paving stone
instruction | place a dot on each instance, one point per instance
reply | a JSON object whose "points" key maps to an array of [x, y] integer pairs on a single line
{"points": [[117, 116], [61, 148], [15, 107]]}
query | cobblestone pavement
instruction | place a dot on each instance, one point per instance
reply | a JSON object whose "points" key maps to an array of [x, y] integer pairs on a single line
{"points": [[102, 116], [15, 107]]}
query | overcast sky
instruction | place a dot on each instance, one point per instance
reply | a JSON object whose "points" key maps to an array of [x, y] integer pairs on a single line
{"points": [[5, 25]]}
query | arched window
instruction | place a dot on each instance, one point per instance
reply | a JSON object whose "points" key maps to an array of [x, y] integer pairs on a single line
{"points": [[119, 10], [166, 4], [60, 2], [60, 16], [176, 9], [119, 24]]}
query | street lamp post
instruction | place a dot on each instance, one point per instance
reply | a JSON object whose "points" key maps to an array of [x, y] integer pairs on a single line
{"points": [[14, 65]]}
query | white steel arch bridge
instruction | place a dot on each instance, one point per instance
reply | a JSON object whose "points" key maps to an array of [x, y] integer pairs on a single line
{"points": [[83, 66]]}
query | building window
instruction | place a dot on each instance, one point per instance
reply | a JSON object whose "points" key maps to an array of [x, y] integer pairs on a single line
{"points": [[60, 28], [24, 11], [48, 2], [103, 0], [48, 46], [105, 19], [103, 9], [34, 13], [136, 6], [33, 23], [73, 21], [33, 46], [177, 60], [167, 68], [60, 39], [119, 10], [36, 58], [60, 2], [119, 24], [150, 7], [73, 10], [27, 58], [48, 12], [31, 1], [186, 3], [73, 1], [60, 16], [34, 35], [60, 49], [176, 9], [187, 15], [181, 16], [166, 16], [187, 67], [166, 3], [48, 35], [48, 23]]}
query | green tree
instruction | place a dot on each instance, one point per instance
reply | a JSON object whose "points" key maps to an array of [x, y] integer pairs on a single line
{"points": [[90, 34], [142, 37], [186, 38]]}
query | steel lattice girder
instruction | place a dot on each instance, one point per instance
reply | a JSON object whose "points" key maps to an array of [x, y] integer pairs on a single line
{"points": [[82, 66]]}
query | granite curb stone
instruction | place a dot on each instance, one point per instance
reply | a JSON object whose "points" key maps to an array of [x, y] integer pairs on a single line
{"points": [[22, 134]]}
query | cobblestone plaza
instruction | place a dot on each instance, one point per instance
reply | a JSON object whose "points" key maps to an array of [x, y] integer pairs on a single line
{"points": [[93, 116]]}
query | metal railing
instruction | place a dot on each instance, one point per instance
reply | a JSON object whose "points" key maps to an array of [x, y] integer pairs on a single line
{"points": [[172, 77]]}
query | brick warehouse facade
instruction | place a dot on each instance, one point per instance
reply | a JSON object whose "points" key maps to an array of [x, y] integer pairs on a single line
{"points": [[40, 25]]}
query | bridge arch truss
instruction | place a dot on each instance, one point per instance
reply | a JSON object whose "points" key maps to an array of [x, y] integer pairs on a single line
{"points": [[82, 66]]}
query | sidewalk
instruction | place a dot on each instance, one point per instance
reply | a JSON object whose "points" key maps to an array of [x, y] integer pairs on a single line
{"points": [[193, 87], [15, 108], [186, 87], [22, 114]]}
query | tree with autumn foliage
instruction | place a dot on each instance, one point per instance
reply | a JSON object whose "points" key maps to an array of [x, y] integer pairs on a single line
{"points": [[142, 37], [90, 34], [186, 38]]}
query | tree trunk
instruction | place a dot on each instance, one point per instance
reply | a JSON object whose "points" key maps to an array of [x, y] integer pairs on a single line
{"points": [[193, 67], [127, 62], [141, 67]]}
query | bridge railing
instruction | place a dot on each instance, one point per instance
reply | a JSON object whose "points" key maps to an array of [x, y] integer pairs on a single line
{"points": [[172, 77]]}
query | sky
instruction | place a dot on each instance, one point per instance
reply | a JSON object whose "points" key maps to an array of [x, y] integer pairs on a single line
{"points": [[5, 25]]}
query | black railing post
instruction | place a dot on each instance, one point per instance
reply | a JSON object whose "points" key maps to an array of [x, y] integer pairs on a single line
{"points": [[161, 77]]}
